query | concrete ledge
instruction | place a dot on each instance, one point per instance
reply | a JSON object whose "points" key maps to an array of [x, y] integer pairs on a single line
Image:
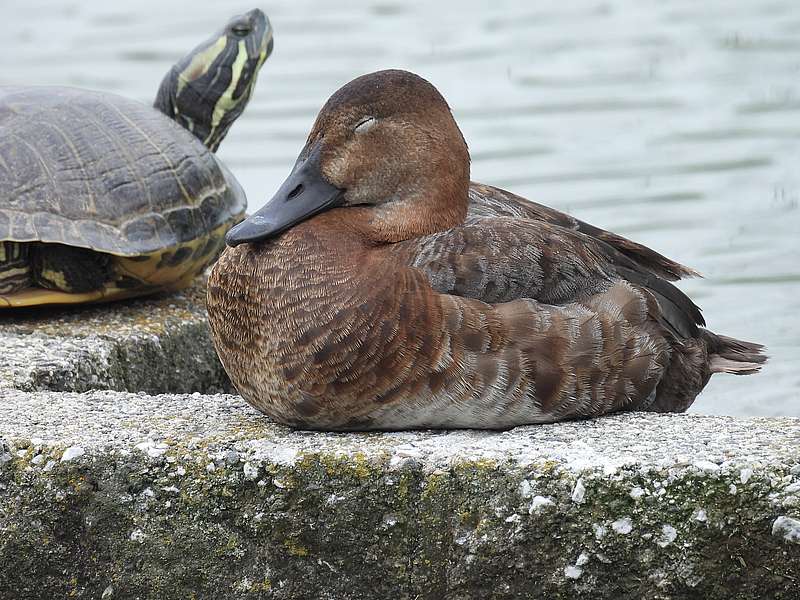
{"points": [[156, 345], [115, 495]]}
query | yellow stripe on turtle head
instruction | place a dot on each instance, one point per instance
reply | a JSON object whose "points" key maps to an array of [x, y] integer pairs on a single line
{"points": [[201, 62], [226, 101]]}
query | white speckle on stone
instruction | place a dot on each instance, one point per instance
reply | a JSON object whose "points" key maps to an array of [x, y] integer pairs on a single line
{"points": [[579, 492], [403, 454], [789, 502], [538, 503], [245, 584], [793, 488], [513, 519], [572, 572], [137, 535], [787, 528], [622, 526], [107, 593], [610, 469], [250, 471], [637, 493], [72, 452], [462, 537], [211, 467], [397, 462], [148, 492], [408, 451], [602, 558], [171, 488], [389, 520], [600, 531], [668, 535], [707, 466], [525, 488], [152, 449], [700, 515], [732, 489], [180, 471], [745, 475], [582, 559], [38, 459]]}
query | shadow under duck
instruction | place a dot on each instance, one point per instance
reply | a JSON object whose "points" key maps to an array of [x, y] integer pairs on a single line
{"points": [[381, 289], [104, 198]]}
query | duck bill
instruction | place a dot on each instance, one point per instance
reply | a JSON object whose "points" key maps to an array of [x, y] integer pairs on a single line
{"points": [[305, 193]]}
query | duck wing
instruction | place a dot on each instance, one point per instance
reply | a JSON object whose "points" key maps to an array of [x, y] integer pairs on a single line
{"points": [[451, 361], [500, 259], [488, 201]]}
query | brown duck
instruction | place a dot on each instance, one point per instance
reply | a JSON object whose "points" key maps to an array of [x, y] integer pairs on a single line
{"points": [[381, 289]]}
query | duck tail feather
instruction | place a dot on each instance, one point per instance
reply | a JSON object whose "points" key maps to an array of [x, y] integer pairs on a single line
{"points": [[729, 355]]}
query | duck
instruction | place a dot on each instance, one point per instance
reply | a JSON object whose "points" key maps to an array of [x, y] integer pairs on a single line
{"points": [[381, 289]]}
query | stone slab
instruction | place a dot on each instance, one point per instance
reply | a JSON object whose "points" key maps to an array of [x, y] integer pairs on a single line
{"points": [[116, 495], [156, 345]]}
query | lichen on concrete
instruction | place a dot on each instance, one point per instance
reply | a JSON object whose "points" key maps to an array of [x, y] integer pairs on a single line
{"points": [[155, 344], [182, 496]]}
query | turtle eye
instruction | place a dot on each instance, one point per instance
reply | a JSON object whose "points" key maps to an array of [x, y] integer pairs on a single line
{"points": [[364, 125], [241, 30]]}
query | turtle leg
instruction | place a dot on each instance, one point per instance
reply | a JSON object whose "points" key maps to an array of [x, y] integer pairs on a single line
{"points": [[70, 269], [15, 268]]}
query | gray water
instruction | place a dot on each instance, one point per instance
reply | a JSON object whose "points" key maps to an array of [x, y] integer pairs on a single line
{"points": [[674, 123]]}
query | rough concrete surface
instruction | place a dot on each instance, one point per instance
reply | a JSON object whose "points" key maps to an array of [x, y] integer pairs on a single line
{"points": [[157, 344], [116, 495]]}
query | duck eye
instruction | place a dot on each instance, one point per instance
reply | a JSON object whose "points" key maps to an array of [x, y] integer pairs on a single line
{"points": [[240, 29], [364, 125]]}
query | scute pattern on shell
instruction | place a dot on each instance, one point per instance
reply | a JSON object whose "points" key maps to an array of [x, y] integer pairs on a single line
{"points": [[100, 171]]}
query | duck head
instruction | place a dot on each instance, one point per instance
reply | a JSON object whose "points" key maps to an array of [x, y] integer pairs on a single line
{"points": [[385, 147]]}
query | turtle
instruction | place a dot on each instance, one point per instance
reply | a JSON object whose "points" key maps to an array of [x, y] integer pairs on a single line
{"points": [[103, 197]]}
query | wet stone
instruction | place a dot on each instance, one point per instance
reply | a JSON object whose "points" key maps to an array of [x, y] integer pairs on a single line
{"points": [[113, 494]]}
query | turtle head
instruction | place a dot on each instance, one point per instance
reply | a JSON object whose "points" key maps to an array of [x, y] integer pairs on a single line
{"points": [[208, 89]]}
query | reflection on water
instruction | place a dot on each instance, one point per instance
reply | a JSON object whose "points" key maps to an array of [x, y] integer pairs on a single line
{"points": [[677, 124]]}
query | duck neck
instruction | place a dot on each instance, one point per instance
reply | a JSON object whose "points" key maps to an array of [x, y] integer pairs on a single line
{"points": [[416, 214]]}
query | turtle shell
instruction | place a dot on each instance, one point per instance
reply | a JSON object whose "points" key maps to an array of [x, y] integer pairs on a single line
{"points": [[99, 171]]}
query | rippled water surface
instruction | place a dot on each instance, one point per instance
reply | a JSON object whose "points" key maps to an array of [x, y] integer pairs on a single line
{"points": [[674, 123]]}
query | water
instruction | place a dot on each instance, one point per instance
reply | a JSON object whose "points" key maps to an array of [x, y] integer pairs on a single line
{"points": [[674, 123]]}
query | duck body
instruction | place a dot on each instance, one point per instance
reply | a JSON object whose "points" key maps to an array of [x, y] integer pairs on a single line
{"points": [[376, 293]]}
